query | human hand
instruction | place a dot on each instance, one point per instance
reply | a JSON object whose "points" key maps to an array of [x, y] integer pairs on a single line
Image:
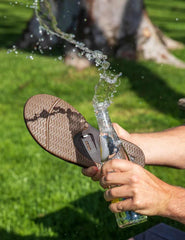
{"points": [[122, 133], [143, 192], [93, 171]]}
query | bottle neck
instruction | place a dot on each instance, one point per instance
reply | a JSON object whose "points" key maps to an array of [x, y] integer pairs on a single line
{"points": [[103, 119], [104, 122], [109, 140]]}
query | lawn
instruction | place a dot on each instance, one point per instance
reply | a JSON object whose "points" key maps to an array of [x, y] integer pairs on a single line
{"points": [[45, 198]]}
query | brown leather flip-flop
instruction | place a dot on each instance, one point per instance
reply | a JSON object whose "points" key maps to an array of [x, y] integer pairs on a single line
{"points": [[62, 131]]}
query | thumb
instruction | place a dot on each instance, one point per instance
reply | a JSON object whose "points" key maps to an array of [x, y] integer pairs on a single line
{"points": [[122, 133]]}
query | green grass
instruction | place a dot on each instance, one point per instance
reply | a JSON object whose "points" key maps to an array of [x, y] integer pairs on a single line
{"points": [[42, 197]]}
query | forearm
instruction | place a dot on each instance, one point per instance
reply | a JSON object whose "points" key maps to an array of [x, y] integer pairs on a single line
{"points": [[163, 148], [176, 204]]}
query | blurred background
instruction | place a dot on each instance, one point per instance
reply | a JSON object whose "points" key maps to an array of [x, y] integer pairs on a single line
{"points": [[42, 197]]}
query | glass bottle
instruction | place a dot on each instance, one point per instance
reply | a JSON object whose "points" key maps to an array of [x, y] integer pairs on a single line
{"points": [[112, 148]]}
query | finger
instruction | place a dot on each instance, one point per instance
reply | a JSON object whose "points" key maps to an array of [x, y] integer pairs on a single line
{"points": [[117, 178], [122, 206], [97, 176], [122, 133], [117, 165], [90, 172], [118, 192]]}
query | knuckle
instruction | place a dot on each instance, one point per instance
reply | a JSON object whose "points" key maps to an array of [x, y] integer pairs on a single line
{"points": [[111, 192], [120, 207], [135, 191], [116, 207], [113, 162], [136, 203], [108, 178], [108, 195], [134, 179]]}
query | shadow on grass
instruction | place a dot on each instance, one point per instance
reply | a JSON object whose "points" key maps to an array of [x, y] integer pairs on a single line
{"points": [[157, 5], [13, 236], [86, 218], [150, 87], [146, 84]]}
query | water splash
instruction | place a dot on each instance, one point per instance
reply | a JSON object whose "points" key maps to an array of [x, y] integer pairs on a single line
{"points": [[108, 82]]}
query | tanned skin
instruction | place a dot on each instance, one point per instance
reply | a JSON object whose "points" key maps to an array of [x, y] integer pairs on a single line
{"points": [[145, 193]]}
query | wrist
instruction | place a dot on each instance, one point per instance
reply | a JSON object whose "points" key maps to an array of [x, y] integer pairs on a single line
{"points": [[135, 138], [139, 140], [175, 204], [147, 143]]}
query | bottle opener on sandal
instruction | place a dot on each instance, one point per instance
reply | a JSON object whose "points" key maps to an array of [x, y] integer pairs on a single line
{"points": [[62, 131]]}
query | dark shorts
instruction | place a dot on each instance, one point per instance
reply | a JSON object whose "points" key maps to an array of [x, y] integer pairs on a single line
{"points": [[161, 232]]}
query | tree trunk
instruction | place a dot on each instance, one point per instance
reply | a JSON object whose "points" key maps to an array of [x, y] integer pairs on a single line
{"points": [[119, 28]]}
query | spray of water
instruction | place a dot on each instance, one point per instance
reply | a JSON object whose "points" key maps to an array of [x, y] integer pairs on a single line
{"points": [[108, 82]]}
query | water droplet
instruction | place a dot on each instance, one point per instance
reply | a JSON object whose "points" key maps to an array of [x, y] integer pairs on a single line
{"points": [[30, 57], [41, 51], [105, 65], [89, 56], [108, 81], [9, 51], [40, 30]]}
